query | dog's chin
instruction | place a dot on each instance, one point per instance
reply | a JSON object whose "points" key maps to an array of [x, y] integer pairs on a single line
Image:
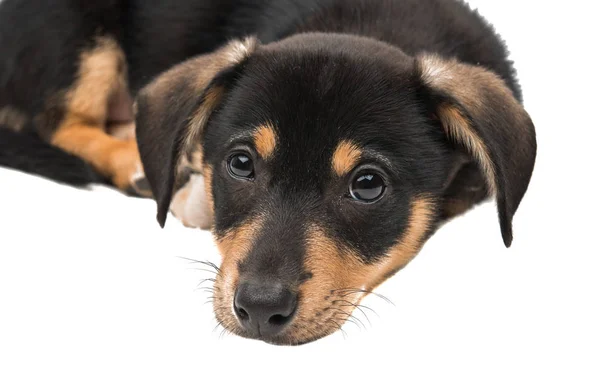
{"points": [[300, 332], [285, 339]]}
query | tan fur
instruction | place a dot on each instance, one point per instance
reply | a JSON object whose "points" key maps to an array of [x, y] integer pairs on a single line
{"points": [[335, 267], [234, 247], [197, 159], [460, 130], [12, 118], [345, 158], [102, 73], [115, 159], [197, 123], [410, 244], [228, 55], [265, 141], [82, 132], [208, 180]]}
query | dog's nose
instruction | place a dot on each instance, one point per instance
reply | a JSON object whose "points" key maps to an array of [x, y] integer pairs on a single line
{"points": [[264, 309]]}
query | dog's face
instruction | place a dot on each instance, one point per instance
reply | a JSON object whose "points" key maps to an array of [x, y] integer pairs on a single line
{"points": [[328, 161]]}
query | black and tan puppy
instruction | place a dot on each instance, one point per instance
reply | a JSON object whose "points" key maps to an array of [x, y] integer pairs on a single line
{"points": [[323, 141]]}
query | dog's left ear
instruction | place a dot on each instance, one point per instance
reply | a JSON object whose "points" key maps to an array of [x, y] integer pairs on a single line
{"points": [[173, 110], [481, 115]]}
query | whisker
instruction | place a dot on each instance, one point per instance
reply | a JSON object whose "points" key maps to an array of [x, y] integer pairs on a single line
{"points": [[339, 327], [213, 265], [206, 280], [350, 291], [359, 308], [306, 328], [207, 263], [223, 332], [205, 270], [350, 318], [312, 332], [362, 306], [211, 289], [219, 324]]}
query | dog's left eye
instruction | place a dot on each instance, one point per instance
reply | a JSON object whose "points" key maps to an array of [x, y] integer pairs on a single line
{"points": [[241, 166], [367, 187]]}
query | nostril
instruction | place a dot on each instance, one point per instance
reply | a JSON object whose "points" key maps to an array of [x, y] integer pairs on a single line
{"points": [[242, 314], [279, 320]]}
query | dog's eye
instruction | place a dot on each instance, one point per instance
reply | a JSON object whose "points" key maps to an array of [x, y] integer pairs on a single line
{"points": [[241, 166], [367, 187]]}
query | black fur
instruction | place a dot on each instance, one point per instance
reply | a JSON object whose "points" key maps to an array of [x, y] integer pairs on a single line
{"points": [[40, 40], [28, 153]]}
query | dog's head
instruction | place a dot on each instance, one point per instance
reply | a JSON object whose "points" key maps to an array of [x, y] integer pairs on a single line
{"points": [[329, 160]]}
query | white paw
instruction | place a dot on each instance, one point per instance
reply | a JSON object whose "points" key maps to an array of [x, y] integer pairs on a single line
{"points": [[190, 204], [139, 185], [123, 131]]}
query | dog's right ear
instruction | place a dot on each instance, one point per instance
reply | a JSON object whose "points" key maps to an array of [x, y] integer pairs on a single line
{"points": [[173, 110]]}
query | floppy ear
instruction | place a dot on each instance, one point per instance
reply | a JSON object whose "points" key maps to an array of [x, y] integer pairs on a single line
{"points": [[481, 115], [173, 110]]}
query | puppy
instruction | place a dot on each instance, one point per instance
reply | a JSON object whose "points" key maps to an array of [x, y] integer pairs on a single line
{"points": [[323, 141]]}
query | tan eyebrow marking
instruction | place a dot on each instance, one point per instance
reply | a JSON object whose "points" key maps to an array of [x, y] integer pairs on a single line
{"points": [[265, 140], [345, 157]]}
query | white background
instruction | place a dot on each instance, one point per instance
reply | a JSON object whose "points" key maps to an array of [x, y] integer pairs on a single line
{"points": [[92, 293]]}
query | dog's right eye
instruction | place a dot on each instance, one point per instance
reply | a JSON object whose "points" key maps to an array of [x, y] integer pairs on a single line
{"points": [[241, 166]]}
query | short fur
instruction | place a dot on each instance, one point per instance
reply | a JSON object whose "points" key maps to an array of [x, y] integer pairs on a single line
{"points": [[315, 92]]}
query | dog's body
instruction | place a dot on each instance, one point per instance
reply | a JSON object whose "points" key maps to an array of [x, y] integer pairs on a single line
{"points": [[333, 136]]}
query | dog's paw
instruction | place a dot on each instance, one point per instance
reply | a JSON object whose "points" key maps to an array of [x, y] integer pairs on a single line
{"points": [[139, 185], [127, 173], [123, 131], [190, 204]]}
